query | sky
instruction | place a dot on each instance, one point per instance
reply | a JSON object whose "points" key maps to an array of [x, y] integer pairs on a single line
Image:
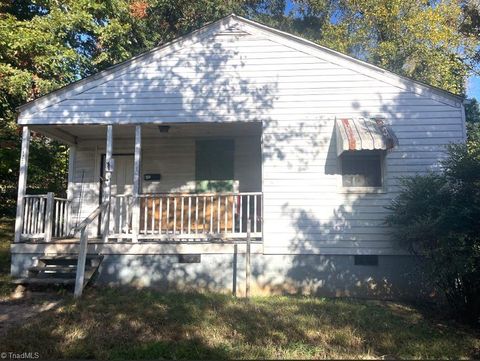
{"points": [[473, 87]]}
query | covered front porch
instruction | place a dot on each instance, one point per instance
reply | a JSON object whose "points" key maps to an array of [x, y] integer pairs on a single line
{"points": [[183, 182]]}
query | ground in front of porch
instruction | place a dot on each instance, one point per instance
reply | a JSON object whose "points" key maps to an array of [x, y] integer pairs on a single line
{"points": [[131, 324], [125, 323]]}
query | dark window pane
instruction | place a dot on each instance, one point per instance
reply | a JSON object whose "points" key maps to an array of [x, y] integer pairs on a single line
{"points": [[189, 258], [366, 260], [361, 169], [214, 159]]}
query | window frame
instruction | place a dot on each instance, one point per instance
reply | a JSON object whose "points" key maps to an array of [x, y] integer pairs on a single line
{"points": [[380, 189]]}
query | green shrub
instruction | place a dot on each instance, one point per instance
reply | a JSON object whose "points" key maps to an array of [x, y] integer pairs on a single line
{"points": [[437, 216]]}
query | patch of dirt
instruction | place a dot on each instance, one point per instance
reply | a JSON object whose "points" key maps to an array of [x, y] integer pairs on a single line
{"points": [[24, 305]]}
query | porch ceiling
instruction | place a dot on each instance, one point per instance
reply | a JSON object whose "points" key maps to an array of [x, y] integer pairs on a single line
{"points": [[71, 134]]}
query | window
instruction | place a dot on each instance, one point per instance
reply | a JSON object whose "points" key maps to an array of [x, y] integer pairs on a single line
{"points": [[214, 170], [362, 168], [214, 159], [366, 260], [189, 258]]}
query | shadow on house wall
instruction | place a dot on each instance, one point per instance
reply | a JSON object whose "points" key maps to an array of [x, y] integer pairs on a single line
{"points": [[192, 85]]}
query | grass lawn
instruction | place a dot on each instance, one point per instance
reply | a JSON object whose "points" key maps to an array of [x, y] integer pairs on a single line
{"points": [[110, 323]]}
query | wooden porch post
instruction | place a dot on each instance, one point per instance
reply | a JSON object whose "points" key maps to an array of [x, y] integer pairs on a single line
{"points": [[49, 217], [22, 183], [136, 184], [107, 184], [72, 154], [247, 259]]}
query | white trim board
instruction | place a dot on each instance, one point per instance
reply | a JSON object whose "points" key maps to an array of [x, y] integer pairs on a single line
{"points": [[126, 248]]}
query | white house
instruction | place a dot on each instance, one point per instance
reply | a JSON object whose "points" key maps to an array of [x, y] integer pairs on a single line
{"points": [[234, 131]]}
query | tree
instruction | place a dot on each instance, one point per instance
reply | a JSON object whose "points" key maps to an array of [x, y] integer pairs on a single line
{"points": [[437, 218], [471, 27], [35, 59], [472, 111], [422, 39], [47, 44], [472, 115]]}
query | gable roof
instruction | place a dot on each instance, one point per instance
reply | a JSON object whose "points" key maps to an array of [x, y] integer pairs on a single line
{"points": [[237, 24]]}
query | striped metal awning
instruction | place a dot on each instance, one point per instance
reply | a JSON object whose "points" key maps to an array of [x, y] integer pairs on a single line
{"points": [[363, 134]]}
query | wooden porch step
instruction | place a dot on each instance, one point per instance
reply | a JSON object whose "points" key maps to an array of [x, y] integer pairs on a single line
{"points": [[44, 281], [69, 260], [59, 270], [69, 257], [53, 268]]}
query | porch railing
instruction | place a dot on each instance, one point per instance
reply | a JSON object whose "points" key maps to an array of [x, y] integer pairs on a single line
{"points": [[174, 215], [45, 217], [161, 216]]}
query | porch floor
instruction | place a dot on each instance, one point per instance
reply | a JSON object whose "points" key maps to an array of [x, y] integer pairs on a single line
{"points": [[98, 240], [142, 247]]}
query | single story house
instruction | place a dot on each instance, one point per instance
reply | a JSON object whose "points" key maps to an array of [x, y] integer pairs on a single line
{"points": [[236, 146]]}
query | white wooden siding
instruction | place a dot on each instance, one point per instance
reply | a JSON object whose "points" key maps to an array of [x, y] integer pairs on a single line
{"points": [[239, 79], [305, 208], [174, 159], [296, 91]]}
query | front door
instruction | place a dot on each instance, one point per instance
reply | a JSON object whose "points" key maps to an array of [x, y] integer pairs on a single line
{"points": [[122, 177], [121, 184]]}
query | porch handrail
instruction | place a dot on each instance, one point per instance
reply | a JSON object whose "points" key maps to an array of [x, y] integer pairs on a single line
{"points": [[186, 194], [89, 219], [82, 252]]}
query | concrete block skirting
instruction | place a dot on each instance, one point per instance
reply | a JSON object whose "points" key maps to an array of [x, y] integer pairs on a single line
{"points": [[222, 268]]}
